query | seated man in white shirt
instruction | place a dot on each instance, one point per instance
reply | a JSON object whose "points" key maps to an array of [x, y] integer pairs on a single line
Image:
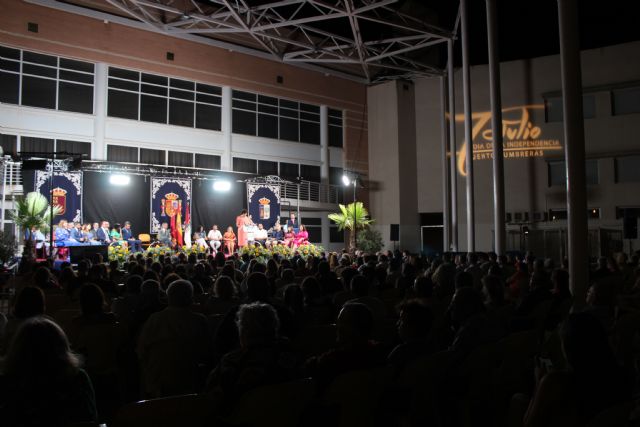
{"points": [[260, 236], [215, 238], [199, 240]]}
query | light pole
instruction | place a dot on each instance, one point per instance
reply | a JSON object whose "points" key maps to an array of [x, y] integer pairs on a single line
{"points": [[353, 181]]}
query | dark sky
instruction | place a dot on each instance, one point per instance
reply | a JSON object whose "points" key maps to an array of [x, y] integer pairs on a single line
{"points": [[529, 29]]}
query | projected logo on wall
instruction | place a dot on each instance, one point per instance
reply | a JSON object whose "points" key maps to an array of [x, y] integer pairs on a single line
{"points": [[521, 138]]}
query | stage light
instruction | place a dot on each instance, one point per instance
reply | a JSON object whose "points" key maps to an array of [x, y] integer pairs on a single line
{"points": [[221, 185], [346, 180], [119, 179]]}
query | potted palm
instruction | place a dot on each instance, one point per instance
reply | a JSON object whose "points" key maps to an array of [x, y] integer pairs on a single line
{"points": [[353, 217], [30, 212]]}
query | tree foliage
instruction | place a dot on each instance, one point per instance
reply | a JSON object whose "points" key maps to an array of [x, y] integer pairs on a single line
{"points": [[350, 215], [33, 211]]}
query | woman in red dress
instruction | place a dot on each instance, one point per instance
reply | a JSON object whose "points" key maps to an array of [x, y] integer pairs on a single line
{"points": [[241, 221], [302, 236], [289, 237]]}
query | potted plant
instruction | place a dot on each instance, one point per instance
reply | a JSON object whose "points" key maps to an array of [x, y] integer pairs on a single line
{"points": [[30, 212]]}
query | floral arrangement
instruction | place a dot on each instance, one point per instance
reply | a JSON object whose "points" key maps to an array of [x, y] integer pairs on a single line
{"points": [[118, 253]]}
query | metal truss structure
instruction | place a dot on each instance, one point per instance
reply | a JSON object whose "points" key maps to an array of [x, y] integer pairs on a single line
{"points": [[363, 40]]}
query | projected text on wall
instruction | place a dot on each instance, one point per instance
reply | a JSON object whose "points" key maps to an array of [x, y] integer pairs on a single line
{"points": [[521, 137]]}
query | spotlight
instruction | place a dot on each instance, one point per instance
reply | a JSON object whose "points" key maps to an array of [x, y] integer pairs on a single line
{"points": [[346, 180], [119, 179], [221, 185], [525, 229]]}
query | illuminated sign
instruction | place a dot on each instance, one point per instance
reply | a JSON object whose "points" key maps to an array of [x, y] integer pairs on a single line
{"points": [[521, 138]]}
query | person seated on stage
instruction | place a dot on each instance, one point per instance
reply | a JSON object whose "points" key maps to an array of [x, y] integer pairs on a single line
{"points": [[62, 235], [215, 238], [164, 235], [40, 240], [116, 235], [102, 234], [277, 235], [302, 236], [230, 240], [260, 235], [292, 223], [289, 237], [75, 231], [199, 240], [88, 235], [94, 230], [127, 234]]}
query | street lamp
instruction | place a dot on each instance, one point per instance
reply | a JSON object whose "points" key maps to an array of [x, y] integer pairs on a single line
{"points": [[353, 181]]}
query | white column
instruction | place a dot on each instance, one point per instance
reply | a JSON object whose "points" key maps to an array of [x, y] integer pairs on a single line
{"points": [[99, 149], [324, 144], [227, 164]]}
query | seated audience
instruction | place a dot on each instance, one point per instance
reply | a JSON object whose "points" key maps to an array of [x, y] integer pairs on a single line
{"points": [[41, 382], [414, 325], [173, 345], [29, 303]]}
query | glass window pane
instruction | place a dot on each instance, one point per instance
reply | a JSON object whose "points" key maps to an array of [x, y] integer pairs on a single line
{"points": [[122, 153], [208, 161], [288, 129], [153, 109], [181, 113], [288, 104], [124, 74], [553, 108], [39, 71], [152, 157], [626, 101], [124, 84], [9, 144], [154, 79], [310, 132], [76, 98], [266, 167], [73, 147], [267, 126], [244, 165], [9, 65], [72, 64], [628, 169], [154, 90], [181, 94], [310, 173], [39, 58], [335, 136], [213, 90], [178, 158], [9, 88], [244, 122], [209, 99], [208, 117], [268, 100], [182, 84], [76, 77], [336, 236], [247, 96], [289, 171], [244, 105], [122, 104], [38, 92], [10, 53], [29, 144]]}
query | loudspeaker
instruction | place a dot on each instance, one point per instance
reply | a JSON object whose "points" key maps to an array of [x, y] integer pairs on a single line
{"points": [[629, 225], [78, 253], [394, 232]]}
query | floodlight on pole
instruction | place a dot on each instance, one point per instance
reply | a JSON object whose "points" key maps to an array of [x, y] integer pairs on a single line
{"points": [[221, 185], [346, 180], [119, 179]]}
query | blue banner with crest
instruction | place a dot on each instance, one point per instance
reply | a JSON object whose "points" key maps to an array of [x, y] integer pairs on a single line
{"points": [[264, 203], [169, 196], [66, 193]]}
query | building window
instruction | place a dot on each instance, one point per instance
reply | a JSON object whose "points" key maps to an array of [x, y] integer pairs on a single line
{"points": [[266, 167], [335, 128], [269, 117], [557, 173], [626, 101], [208, 161], [152, 157], [9, 144], [561, 214], [335, 235], [46, 81], [554, 112], [121, 153], [244, 165], [633, 211], [159, 99], [179, 158], [289, 171], [314, 227], [74, 148], [627, 169], [36, 146], [310, 173]]}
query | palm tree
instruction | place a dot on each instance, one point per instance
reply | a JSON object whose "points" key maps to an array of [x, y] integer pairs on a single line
{"points": [[32, 211], [353, 213]]}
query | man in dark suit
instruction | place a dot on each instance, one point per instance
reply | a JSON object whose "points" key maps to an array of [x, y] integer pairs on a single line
{"points": [[127, 235], [292, 222], [102, 234]]}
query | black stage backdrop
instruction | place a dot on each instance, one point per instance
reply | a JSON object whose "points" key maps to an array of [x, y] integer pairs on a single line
{"points": [[102, 200], [212, 207]]}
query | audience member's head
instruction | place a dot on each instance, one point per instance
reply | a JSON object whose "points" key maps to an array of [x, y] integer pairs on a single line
{"points": [[463, 280], [493, 290], [355, 323], [423, 287], [360, 286], [601, 295], [466, 304], [258, 324], [180, 294], [29, 302], [257, 287], [415, 320], [92, 300], [223, 288]]}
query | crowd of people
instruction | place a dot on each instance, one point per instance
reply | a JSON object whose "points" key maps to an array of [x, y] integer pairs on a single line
{"points": [[467, 339]]}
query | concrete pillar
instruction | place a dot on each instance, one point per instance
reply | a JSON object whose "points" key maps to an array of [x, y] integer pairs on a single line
{"points": [[99, 148], [324, 152], [452, 148], [446, 193], [226, 161], [496, 129], [571, 77]]}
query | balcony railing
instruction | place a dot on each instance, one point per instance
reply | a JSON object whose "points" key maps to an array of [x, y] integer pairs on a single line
{"points": [[312, 192]]}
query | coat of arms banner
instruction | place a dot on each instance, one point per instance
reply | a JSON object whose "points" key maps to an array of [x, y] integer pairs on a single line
{"points": [[264, 203], [170, 202], [67, 193]]}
